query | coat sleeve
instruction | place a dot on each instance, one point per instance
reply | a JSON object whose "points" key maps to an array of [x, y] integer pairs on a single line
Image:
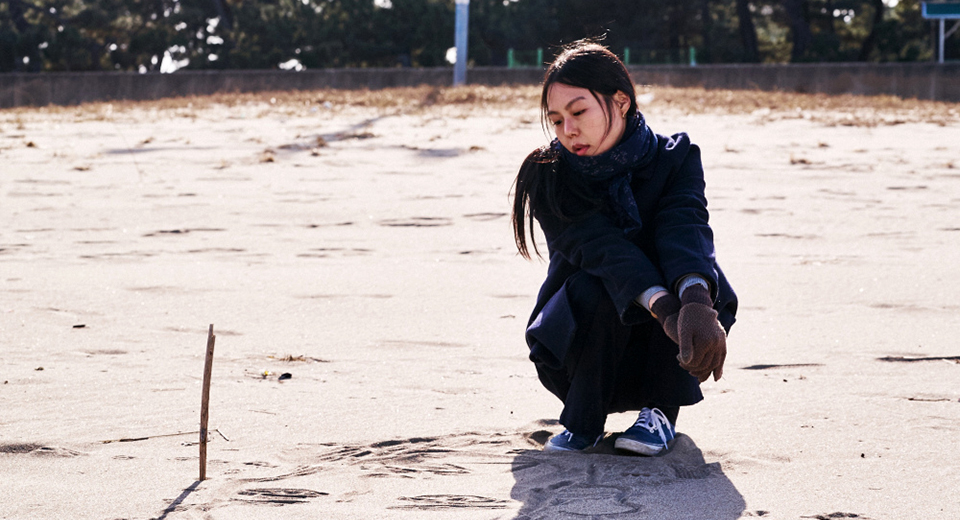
{"points": [[598, 246], [683, 238]]}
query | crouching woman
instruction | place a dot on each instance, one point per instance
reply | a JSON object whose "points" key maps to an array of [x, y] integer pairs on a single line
{"points": [[634, 310]]}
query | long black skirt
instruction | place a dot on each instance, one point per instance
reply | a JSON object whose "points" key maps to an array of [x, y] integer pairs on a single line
{"points": [[609, 367]]}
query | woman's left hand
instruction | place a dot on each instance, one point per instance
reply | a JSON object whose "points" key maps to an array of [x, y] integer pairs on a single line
{"points": [[703, 342]]}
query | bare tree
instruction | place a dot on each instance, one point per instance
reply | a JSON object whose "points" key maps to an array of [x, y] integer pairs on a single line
{"points": [[871, 40], [705, 29], [748, 32], [223, 12], [799, 28]]}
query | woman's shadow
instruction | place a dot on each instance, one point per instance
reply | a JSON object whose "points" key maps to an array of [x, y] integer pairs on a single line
{"points": [[608, 484]]}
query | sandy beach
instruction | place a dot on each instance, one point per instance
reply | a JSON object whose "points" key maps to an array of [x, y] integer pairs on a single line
{"points": [[359, 245]]}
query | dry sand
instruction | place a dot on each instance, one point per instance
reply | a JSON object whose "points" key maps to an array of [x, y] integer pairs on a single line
{"points": [[360, 242]]}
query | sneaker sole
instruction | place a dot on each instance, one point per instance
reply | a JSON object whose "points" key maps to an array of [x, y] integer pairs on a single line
{"points": [[637, 447], [555, 449]]}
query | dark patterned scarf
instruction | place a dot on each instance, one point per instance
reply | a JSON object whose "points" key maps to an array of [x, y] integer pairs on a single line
{"points": [[614, 168]]}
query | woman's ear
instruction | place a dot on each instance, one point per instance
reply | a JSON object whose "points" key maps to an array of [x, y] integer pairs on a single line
{"points": [[623, 102]]}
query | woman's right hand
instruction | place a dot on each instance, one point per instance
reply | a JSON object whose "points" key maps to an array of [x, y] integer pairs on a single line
{"points": [[666, 309]]}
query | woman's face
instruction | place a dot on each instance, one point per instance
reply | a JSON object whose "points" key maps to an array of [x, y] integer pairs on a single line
{"points": [[581, 122]]}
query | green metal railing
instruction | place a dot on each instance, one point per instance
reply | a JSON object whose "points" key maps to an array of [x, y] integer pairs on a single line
{"points": [[534, 58]]}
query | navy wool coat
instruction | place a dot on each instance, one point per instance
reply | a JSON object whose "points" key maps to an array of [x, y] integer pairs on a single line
{"points": [[674, 240]]}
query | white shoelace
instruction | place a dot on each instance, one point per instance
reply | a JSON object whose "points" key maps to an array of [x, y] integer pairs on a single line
{"points": [[569, 434], [654, 421]]}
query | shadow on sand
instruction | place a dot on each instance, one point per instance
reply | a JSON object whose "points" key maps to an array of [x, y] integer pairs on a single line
{"points": [[179, 500], [604, 484]]}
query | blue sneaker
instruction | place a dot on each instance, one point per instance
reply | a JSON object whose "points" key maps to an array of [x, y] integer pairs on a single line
{"points": [[649, 435], [569, 441]]}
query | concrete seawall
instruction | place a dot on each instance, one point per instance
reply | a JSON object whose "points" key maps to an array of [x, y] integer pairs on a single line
{"points": [[939, 82], [908, 80]]}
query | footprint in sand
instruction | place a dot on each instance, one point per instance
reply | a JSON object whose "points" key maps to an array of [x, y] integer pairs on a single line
{"points": [[18, 448], [487, 216], [441, 502], [279, 496], [38, 450], [416, 222]]}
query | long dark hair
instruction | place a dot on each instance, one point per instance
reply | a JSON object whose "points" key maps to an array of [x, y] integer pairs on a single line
{"points": [[540, 189]]}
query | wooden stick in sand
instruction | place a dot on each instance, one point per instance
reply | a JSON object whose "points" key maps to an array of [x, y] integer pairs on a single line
{"points": [[205, 403]]}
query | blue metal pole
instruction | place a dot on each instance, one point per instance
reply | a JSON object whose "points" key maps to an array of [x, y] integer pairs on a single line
{"points": [[462, 22]]}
